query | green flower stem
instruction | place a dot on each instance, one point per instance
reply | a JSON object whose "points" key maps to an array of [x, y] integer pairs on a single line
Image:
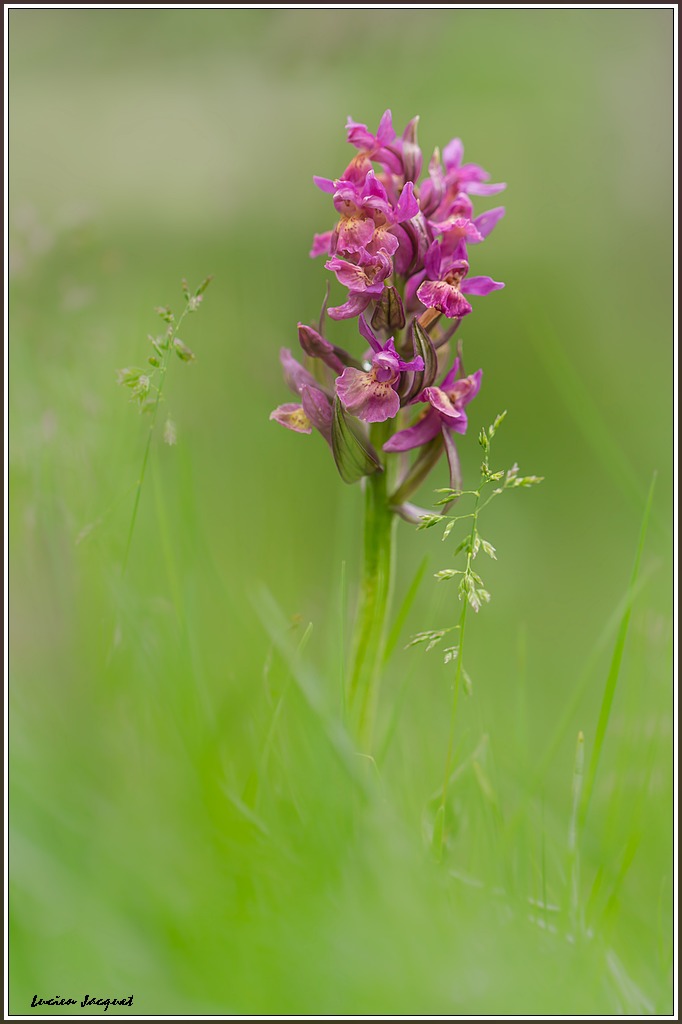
{"points": [[375, 597]]}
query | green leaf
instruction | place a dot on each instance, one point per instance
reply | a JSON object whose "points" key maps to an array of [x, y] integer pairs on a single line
{"points": [[354, 455]]}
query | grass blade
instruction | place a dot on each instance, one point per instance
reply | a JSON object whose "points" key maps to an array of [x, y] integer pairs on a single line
{"points": [[616, 661], [275, 624], [404, 609], [573, 852]]}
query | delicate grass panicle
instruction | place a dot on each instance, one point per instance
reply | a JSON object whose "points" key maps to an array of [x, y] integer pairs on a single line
{"points": [[146, 385]]}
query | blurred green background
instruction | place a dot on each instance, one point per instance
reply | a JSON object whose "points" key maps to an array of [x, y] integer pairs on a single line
{"points": [[183, 827]]}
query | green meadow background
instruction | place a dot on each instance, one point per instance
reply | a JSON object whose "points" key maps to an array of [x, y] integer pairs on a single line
{"points": [[189, 823]]}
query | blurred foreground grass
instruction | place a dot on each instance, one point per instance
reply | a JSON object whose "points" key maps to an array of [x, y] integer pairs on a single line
{"points": [[187, 822]]}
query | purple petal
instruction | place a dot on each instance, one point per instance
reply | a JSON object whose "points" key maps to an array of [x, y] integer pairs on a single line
{"points": [[454, 248], [367, 275], [453, 462], [388, 159], [421, 433], [348, 274], [357, 169], [374, 194], [465, 389], [356, 303], [292, 416], [456, 265], [445, 408], [461, 206], [369, 335], [414, 364], [385, 133], [432, 261], [476, 188], [485, 222], [348, 191], [471, 172], [383, 241], [386, 366], [412, 287], [480, 285], [325, 184], [368, 399], [359, 135], [318, 409], [295, 375], [444, 297], [354, 233], [407, 206], [452, 154], [321, 244], [451, 376], [405, 250]]}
